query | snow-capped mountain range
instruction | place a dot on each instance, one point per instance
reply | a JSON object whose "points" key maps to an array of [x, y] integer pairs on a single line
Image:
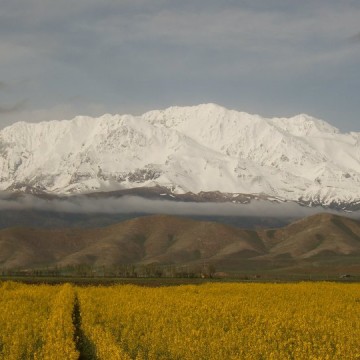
{"points": [[204, 148]]}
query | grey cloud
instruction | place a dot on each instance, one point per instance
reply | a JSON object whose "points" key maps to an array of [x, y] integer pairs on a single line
{"points": [[10, 109], [3, 85], [250, 55], [56, 31], [355, 38]]}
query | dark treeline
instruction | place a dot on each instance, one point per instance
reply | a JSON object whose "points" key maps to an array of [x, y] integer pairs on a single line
{"points": [[204, 270]]}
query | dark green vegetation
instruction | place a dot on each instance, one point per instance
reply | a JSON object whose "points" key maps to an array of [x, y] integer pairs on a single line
{"points": [[264, 277], [167, 246]]}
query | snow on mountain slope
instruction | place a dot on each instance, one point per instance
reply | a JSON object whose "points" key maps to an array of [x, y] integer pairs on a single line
{"points": [[186, 149]]}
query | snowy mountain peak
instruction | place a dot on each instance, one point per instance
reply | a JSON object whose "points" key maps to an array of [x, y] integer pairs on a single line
{"points": [[304, 125], [185, 149]]}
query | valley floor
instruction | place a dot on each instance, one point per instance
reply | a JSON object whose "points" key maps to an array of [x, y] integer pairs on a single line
{"points": [[159, 282]]}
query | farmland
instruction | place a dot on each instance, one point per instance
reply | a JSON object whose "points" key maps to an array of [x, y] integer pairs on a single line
{"points": [[314, 320]]}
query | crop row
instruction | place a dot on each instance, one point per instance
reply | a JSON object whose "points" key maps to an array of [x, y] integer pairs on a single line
{"points": [[36, 322]]}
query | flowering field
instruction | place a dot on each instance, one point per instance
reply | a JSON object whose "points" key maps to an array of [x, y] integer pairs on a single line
{"points": [[211, 321], [36, 322]]}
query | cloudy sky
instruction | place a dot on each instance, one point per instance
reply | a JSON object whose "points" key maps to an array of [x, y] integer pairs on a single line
{"points": [[62, 58]]}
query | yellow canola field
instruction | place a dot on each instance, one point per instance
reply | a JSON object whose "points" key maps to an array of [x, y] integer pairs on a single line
{"points": [[223, 321], [211, 321], [36, 322], [59, 339]]}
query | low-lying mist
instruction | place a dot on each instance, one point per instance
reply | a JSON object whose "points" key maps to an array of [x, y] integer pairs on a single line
{"points": [[135, 204]]}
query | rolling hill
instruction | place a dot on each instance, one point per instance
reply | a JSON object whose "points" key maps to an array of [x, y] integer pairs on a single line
{"points": [[320, 241]]}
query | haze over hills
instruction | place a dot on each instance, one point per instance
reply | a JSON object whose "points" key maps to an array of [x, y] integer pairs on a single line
{"points": [[325, 242], [197, 152]]}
